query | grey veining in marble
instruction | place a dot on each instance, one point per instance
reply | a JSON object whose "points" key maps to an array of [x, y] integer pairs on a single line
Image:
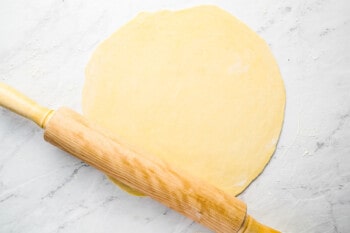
{"points": [[44, 46]]}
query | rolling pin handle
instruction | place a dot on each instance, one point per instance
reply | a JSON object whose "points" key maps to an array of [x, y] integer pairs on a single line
{"points": [[16, 102], [250, 225]]}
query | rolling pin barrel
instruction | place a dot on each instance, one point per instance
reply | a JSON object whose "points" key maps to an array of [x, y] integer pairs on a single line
{"points": [[189, 196], [196, 200]]}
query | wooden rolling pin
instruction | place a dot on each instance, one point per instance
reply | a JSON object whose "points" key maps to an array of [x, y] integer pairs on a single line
{"points": [[187, 195]]}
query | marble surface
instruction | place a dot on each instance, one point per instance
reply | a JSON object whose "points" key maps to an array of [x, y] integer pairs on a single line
{"points": [[44, 47]]}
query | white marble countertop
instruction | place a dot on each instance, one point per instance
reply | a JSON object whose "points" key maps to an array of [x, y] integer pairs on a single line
{"points": [[44, 47]]}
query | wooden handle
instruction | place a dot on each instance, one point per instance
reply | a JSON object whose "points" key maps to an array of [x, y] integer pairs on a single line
{"points": [[250, 225], [189, 196], [22, 105]]}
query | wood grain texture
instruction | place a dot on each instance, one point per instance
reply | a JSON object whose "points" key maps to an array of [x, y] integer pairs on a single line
{"points": [[189, 196]]}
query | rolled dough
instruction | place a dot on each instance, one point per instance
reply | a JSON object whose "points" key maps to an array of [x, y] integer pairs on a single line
{"points": [[194, 87]]}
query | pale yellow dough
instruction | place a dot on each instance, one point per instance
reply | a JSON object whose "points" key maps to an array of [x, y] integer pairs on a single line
{"points": [[194, 87]]}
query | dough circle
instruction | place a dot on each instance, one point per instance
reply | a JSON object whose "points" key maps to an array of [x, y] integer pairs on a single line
{"points": [[194, 87]]}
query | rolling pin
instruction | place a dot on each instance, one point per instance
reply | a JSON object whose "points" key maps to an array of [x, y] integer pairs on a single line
{"points": [[194, 198]]}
